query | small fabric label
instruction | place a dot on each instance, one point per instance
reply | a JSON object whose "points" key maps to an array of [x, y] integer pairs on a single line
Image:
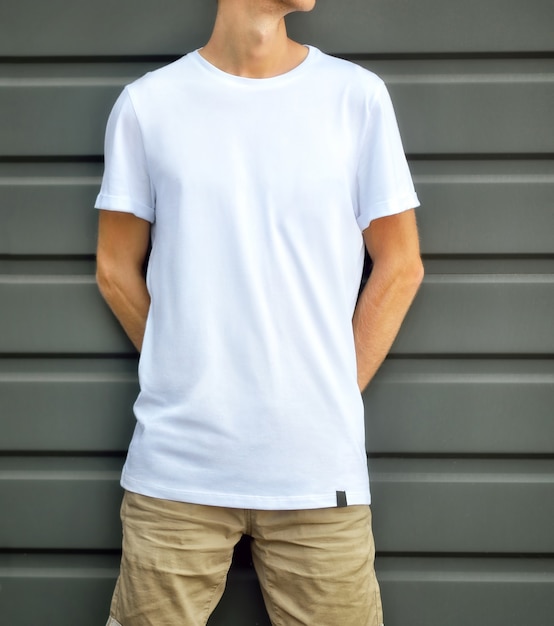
{"points": [[341, 498]]}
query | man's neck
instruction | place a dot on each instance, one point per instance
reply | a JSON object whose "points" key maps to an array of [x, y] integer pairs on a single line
{"points": [[250, 39]]}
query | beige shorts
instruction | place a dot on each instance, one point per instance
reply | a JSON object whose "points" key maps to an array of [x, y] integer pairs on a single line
{"points": [[315, 567]]}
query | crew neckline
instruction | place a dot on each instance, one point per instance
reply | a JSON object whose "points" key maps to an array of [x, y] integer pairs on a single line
{"points": [[245, 80]]}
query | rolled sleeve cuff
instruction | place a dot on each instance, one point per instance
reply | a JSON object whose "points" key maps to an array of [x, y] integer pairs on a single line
{"points": [[386, 208], [125, 205]]}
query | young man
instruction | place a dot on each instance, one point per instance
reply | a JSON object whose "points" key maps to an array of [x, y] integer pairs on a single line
{"points": [[257, 168]]}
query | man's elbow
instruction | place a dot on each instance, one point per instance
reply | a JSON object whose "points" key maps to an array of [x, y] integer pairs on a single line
{"points": [[415, 271], [408, 275], [106, 276]]}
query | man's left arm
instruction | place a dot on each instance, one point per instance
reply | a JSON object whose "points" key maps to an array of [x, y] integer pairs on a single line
{"points": [[393, 245]]}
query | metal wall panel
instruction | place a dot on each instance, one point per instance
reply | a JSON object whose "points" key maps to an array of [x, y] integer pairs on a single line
{"points": [[454, 313], [423, 406], [133, 27], [510, 201], [507, 592], [483, 591], [36, 198], [461, 407], [459, 421], [453, 506], [69, 405], [443, 107], [56, 589], [485, 208]]}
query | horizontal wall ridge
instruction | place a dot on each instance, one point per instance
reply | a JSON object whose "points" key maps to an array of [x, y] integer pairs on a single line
{"points": [[448, 56], [445, 55], [480, 156], [483, 558], [468, 356], [469, 456]]}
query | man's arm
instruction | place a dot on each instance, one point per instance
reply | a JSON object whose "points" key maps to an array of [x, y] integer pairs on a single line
{"points": [[393, 246], [123, 242]]}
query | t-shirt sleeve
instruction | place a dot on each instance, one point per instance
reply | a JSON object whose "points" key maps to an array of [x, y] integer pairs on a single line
{"points": [[384, 181], [126, 184]]}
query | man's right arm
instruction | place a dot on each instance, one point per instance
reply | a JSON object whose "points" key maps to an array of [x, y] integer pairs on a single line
{"points": [[123, 243]]}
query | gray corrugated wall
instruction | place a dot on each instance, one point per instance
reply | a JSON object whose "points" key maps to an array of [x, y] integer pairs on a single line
{"points": [[461, 417]]}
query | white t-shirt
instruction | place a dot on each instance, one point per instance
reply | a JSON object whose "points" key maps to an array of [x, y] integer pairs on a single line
{"points": [[257, 190]]}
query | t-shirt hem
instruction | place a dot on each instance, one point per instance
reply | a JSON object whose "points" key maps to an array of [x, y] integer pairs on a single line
{"points": [[242, 501], [388, 207], [125, 205]]}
